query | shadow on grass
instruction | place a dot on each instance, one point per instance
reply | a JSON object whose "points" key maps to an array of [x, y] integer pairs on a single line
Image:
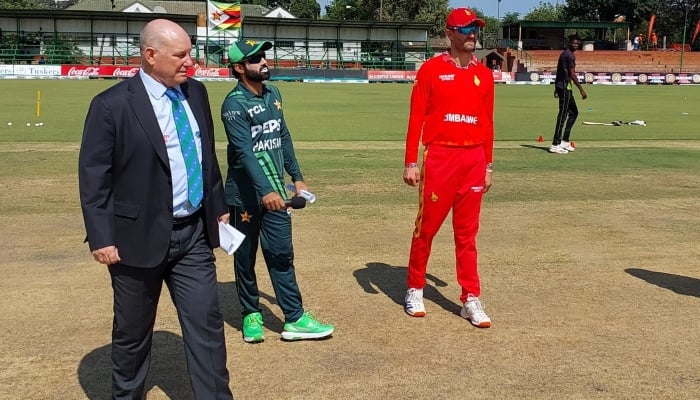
{"points": [[531, 146], [168, 369], [391, 280], [680, 284]]}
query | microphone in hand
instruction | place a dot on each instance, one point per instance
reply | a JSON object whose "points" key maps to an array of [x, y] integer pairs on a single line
{"points": [[296, 202]]}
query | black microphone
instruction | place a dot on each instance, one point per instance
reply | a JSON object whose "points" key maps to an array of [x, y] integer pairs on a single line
{"points": [[295, 202]]}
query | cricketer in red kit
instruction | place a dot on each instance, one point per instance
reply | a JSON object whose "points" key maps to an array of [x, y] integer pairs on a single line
{"points": [[452, 106]]}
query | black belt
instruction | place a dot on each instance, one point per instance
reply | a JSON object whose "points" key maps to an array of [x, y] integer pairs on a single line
{"points": [[188, 220]]}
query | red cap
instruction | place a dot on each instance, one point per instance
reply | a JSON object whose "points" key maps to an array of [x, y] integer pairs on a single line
{"points": [[463, 17]]}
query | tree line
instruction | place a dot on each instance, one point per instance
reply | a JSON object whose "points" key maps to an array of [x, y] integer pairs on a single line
{"points": [[673, 17]]}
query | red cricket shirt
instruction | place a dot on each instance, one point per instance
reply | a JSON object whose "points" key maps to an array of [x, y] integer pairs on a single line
{"points": [[451, 106]]}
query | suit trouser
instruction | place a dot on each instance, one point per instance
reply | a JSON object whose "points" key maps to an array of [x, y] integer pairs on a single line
{"points": [[452, 178], [190, 274], [568, 112], [273, 230]]}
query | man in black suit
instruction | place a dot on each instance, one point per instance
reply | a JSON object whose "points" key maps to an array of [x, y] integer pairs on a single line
{"points": [[151, 211]]}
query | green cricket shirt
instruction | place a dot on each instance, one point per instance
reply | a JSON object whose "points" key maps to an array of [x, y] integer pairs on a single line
{"points": [[260, 146]]}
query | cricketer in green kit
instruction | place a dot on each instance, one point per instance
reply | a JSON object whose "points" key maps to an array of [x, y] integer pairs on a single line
{"points": [[260, 151]]}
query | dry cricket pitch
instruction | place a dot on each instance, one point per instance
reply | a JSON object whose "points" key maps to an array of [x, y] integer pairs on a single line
{"points": [[589, 300]]}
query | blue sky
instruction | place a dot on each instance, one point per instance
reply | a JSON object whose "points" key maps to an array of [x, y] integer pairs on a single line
{"points": [[492, 8], [489, 7]]}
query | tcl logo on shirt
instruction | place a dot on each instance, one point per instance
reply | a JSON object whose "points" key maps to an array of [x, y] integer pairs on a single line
{"points": [[447, 77]]}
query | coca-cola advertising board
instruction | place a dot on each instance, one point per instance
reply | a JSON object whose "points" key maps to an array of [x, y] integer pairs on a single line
{"points": [[116, 71], [208, 72]]}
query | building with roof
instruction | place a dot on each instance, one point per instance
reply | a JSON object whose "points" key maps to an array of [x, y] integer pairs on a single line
{"points": [[551, 35], [106, 32]]}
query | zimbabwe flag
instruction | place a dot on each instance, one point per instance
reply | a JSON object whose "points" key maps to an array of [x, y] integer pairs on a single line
{"points": [[224, 16]]}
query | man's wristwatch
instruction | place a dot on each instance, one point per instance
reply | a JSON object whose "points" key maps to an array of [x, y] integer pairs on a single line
{"points": [[412, 165], [489, 167]]}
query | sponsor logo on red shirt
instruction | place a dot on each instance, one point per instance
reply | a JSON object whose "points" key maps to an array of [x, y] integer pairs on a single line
{"points": [[462, 118]]}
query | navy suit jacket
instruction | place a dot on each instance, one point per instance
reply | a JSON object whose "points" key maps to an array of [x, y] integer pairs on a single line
{"points": [[124, 175]]}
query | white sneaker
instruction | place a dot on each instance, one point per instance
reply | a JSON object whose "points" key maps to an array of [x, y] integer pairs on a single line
{"points": [[567, 146], [473, 311], [414, 303], [557, 149]]}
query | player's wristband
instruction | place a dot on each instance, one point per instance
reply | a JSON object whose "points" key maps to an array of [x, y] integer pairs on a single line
{"points": [[412, 165]]}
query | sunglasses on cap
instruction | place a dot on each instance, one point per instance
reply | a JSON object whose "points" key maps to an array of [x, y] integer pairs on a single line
{"points": [[466, 30], [256, 58]]}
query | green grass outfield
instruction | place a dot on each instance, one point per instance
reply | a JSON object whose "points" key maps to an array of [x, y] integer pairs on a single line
{"points": [[352, 134], [362, 112], [348, 135]]}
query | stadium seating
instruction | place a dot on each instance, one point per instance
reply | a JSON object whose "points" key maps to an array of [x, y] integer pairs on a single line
{"points": [[618, 61]]}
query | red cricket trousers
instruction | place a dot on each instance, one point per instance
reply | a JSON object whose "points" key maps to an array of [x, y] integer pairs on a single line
{"points": [[452, 178]]}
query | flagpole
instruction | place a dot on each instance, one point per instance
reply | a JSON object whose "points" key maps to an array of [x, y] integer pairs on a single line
{"points": [[498, 18], [685, 26]]}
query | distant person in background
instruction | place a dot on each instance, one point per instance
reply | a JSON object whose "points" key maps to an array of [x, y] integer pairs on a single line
{"points": [[641, 41], [451, 112], [563, 90], [654, 41], [635, 43]]}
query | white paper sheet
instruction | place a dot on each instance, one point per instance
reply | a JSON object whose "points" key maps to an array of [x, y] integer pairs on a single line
{"points": [[230, 238]]}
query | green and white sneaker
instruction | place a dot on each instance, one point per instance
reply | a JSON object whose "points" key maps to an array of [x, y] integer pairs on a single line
{"points": [[253, 328], [307, 327]]}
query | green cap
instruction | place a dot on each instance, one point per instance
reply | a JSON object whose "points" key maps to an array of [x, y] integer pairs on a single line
{"points": [[244, 48]]}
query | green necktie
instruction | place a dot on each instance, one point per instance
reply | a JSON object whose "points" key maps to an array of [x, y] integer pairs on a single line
{"points": [[195, 184]]}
